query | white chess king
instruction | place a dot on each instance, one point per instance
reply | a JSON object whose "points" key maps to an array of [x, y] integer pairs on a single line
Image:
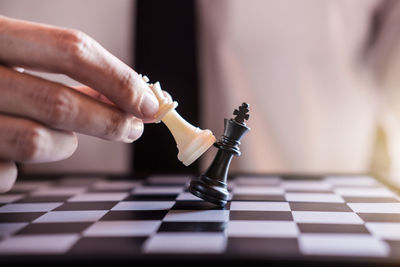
{"points": [[191, 141]]}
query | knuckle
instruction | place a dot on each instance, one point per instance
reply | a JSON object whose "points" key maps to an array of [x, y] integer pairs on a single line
{"points": [[58, 107], [30, 143], [124, 83], [116, 125], [73, 43]]}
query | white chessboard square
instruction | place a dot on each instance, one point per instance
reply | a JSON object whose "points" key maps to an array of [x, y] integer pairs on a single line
{"points": [[197, 216], [364, 192], [306, 185], [258, 181], [93, 197], [375, 207], [279, 229], [29, 207], [343, 245], [258, 190], [351, 180], [59, 191], [326, 217], [38, 244], [144, 205], [186, 243], [150, 190], [314, 197], [122, 228], [260, 206], [71, 216], [188, 196], [8, 198], [10, 228], [383, 230]]}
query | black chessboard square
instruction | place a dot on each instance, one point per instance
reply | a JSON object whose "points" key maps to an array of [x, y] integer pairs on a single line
{"points": [[109, 190], [133, 215], [243, 197], [54, 228], [260, 215], [164, 184], [380, 217], [313, 206], [19, 216], [108, 246], [296, 177], [38, 199], [192, 227], [151, 197], [394, 248], [105, 205], [370, 199], [276, 247], [332, 228]]}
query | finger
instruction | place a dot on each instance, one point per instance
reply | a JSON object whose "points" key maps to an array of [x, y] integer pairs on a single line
{"points": [[75, 54], [61, 107], [27, 141], [100, 97], [8, 175], [168, 96], [93, 93]]}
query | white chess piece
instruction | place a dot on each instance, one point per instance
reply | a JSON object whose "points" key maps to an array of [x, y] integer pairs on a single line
{"points": [[191, 141]]}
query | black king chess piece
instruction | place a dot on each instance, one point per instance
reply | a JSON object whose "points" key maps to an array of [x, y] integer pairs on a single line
{"points": [[212, 186]]}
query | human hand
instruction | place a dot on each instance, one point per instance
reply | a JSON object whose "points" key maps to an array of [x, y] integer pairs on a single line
{"points": [[39, 118]]}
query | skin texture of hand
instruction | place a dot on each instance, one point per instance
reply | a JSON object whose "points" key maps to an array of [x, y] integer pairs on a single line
{"points": [[39, 118]]}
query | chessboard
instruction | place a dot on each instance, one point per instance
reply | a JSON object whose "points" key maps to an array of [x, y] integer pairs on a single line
{"points": [[353, 219]]}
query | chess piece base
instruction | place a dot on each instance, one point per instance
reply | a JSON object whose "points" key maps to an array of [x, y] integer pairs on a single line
{"points": [[209, 190], [197, 143]]}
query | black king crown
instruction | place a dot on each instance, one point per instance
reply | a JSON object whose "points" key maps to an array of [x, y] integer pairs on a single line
{"points": [[212, 186]]}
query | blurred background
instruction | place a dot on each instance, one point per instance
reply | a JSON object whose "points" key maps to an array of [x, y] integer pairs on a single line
{"points": [[321, 78]]}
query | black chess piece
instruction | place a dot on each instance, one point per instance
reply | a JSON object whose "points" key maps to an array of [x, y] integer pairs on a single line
{"points": [[212, 186]]}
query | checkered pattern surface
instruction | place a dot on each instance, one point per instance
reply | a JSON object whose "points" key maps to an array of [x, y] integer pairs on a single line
{"points": [[353, 217]]}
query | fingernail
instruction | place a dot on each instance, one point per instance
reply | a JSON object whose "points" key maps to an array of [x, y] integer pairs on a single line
{"points": [[136, 130], [149, 105]]}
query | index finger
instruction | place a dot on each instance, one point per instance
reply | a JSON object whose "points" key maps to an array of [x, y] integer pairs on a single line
{"points": [[43, 47]]}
